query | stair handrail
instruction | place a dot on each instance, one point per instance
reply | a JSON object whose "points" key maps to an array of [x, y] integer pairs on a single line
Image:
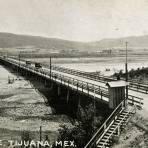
{"points": [[106, 123], [117, 126]]}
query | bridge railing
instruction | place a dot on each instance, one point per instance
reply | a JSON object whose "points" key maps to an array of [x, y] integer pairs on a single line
{"points": [[100, 90], [80, 84], [134, 84], [137, 101], [90, 74], [82, 74], [139, 87]]}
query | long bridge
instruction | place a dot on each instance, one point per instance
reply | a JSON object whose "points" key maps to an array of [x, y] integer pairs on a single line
{"points": [[90, 86]]}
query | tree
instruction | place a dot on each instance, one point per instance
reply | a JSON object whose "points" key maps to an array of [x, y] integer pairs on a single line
{"points": [[83, 130]]}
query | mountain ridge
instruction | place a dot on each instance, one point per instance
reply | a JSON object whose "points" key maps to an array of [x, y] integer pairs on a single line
{"points": [[11, 40]]}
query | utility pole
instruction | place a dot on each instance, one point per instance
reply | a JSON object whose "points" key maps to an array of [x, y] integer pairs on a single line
{"points": [[18, 67], [50, 68], [126, 71], [40, 135], [94, 108], [19, 59], [23, 139]]}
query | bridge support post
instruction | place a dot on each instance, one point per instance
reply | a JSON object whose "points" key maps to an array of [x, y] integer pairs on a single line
{"points": [[45, 83], [78, 105], [87, 89], [67, 95], [59, 90], [26, 73], [40, 135], [101, 95]]}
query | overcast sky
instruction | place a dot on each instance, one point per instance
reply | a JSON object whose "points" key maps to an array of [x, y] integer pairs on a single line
{"points": [[80, 20]]}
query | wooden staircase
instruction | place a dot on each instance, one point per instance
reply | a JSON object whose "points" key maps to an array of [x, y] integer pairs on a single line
{"points": [[114, 129], [113, 125]]}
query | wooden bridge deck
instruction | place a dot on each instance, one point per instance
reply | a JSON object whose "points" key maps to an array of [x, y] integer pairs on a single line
{"points": [[74, 82], [83, 84]]}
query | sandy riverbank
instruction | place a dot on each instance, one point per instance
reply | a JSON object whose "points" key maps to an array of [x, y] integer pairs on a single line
{"points": [[136, 133], [22, 108]]}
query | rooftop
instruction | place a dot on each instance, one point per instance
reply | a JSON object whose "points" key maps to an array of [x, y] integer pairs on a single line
{"points": [[117, 83]]}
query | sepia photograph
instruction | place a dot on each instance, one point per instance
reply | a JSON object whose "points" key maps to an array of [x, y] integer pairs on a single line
{"points": [[73, 73]]}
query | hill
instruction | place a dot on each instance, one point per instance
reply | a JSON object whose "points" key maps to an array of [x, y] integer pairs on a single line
{"points": [[133, 42], [9, 40]]}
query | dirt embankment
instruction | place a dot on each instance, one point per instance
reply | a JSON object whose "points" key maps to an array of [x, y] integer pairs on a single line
{"points": [[136, 133]]}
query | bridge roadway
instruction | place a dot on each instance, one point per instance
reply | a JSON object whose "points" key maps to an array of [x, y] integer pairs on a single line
{"points": [[83, 85], [101, 81], [93, 88], [102, 85], [132, 93], [134, 84]]}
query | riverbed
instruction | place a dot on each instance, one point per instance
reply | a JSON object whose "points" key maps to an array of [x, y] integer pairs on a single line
{"points": [[23, 108]]}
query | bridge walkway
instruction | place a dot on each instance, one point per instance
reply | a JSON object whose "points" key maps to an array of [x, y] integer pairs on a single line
{"points": [[101, 81], [132, 93], [71, 81], [85, 85]]}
